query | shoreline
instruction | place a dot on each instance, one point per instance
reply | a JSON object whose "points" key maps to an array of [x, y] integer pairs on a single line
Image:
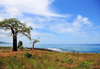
{"points": [[44, 49], [52, 50]]}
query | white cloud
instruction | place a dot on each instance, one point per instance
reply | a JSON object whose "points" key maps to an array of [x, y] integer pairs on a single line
{"points": [[35, 23], [34, 33], [1, 17], [22, 9], [61, 25], [13, 11], [37, 7], [2, 35], [78, 26], [58, 25], [5, 32], [81, 22]]}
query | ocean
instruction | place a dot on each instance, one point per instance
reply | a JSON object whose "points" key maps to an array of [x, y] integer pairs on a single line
{"points": [[81, 48]]}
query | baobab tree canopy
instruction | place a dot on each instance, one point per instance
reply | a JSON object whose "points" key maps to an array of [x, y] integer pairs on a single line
{"points": [[16, 27], [36, 40]]}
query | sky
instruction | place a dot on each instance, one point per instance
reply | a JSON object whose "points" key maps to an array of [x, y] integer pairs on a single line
{"points": [[54, 21]]}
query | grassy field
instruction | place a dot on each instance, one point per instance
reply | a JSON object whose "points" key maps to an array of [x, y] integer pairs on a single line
{"points": [[38, 59], [5, 49]]}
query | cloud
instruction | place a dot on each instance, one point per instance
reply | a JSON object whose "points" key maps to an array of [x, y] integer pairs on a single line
{"points": [[2, 35], [13, 11], [34, 22], [78, 26], [59, 25], [31, 11], [36, 7], [81, 21], [3, 31], [34, 33]]}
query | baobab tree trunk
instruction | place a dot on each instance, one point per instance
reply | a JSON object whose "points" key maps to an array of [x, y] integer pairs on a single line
{"points": [[14, 42], [33, 46]]}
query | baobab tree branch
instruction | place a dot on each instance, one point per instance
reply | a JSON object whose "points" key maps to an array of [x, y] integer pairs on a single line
{"points": [[8, 26], [26, 35], [12, 30], [12, 25]]}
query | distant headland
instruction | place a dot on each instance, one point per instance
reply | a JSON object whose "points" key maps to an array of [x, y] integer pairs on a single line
{"points": [[1, 42]]}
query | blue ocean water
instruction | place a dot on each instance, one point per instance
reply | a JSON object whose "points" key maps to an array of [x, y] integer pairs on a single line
{"points": [[82, 48]]}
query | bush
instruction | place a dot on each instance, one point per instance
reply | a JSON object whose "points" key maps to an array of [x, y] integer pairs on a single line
{"points": [[20, 43], [27, 54], [21, 48]]}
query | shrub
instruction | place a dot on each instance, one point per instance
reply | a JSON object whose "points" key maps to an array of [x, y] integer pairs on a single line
{"points": [[21, 48], [27, 54], [20, 43]]}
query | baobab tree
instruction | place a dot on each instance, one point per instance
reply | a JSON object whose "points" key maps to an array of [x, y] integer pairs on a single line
{"points": [[35, 41], [16, 27]]}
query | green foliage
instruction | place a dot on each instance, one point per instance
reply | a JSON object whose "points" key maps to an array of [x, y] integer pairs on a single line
{"points": [[16, 26], [50, 67], [14, 63], [1, 62], [86, 63], [20, 43], [27, 54], [10, 65], [83, 66], [21, 48], [36, 40]]}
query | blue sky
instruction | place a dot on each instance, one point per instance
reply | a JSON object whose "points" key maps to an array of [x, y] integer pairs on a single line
{"points": [[55, 21]]}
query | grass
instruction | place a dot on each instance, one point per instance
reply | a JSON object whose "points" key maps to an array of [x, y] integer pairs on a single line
{"points": [[47, 60], [2, 47], [5, 49]]}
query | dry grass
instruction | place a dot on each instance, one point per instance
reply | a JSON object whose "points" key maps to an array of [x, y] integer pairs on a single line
{"points": [[48, 60]]}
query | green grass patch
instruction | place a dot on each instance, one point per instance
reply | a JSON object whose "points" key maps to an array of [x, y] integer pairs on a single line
{"points": [[8, 47]]}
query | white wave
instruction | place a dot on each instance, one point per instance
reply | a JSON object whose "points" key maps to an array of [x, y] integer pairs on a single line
{"points": [[54, 49]]}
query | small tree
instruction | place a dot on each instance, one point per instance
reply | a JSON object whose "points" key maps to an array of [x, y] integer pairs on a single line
{"points": [[35, 41], [16, 27], [20, 43], [21, 48]]}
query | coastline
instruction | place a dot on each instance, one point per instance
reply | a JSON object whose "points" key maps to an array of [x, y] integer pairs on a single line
{"points": [[44, 49], [77, 48]]}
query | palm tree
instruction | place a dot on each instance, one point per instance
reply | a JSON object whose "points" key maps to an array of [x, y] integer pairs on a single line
{"points": [[35, 41], [16, 27]]}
